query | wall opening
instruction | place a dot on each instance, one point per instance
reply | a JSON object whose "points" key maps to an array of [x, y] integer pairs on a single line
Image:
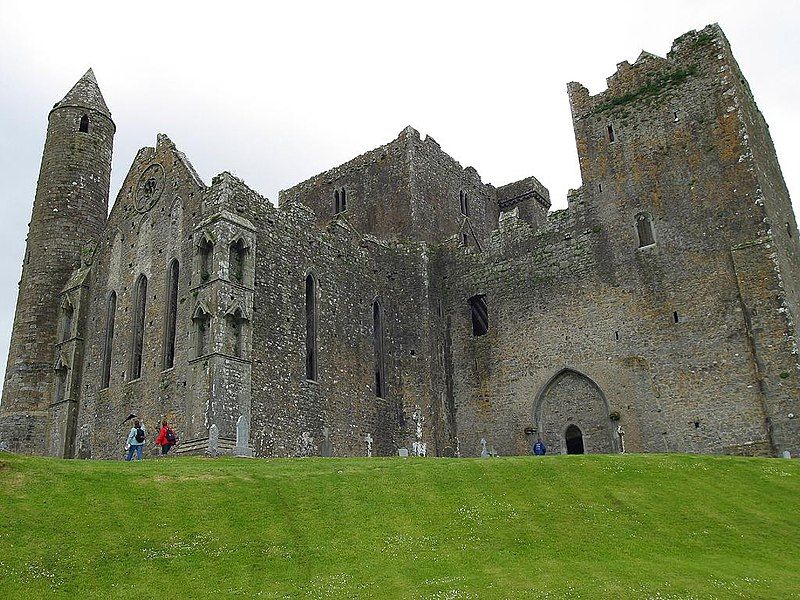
{"points": [[480, 314], [84, 124], [574, 440], [202, 324], [311, 328], [464, 201], [789, 230], [610, 130], [676, 317], [137, 345], [236, 261], [67, 312], [234, 323], [205, 251], [644, 230], [111, 314], [61, 384], [343, 205], [171, 315], [377, 341]]}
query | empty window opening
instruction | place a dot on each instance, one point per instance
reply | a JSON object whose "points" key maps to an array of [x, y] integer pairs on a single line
{"points": [[480, 314], [202, 324], [206, 258], [67, 312], [600, 187], [84, 124], [610, 133], [465, 239], [644, 230], [616, 335], [61, 384], [789, 229], [311, 328], [236, 261], [111, 314], [377, 341], [574, 439], [171, 316], [675, 317], [675, 114], [137, 345], [340, 201], [234, 323], [464, 200]]}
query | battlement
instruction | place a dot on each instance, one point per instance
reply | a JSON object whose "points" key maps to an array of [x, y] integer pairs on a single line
{"points": [[651, 75]]}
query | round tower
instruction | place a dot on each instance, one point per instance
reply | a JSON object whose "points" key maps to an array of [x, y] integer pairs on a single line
{"points": [[70, 209]]}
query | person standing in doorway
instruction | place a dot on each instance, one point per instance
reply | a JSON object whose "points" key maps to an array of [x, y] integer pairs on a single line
{"points": [[166, 438], [136, 438], [539, 449]]}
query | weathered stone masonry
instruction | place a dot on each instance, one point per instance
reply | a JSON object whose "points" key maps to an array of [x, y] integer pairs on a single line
{"points": [[398, 301]]}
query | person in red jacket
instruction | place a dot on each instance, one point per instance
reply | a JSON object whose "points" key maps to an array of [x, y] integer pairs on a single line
{"points": [[166, 437]]}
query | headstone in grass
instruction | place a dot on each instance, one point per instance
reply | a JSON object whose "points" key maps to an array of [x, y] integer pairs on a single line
{"points": [[242, 438], [402, 452], [213, 441], [368, 440], [327, 447], [787, 454], [484, 451]]}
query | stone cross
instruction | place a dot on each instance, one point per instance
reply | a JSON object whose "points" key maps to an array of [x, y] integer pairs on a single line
{"points": [[327, 448], [213, 440], [242, 437], [621, 434], [368, 439], [419, 447], [484, 451]]}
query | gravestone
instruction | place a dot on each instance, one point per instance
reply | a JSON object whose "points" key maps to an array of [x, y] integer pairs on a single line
{"points": [[242, 438], [484, 451], [327, 447], [368, 440], [419, 447], [787, 454], [402, 452], [213, 441], [448, 452]]}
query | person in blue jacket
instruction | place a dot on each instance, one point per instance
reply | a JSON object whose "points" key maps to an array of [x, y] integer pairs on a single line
{"points": [[539, 449]]}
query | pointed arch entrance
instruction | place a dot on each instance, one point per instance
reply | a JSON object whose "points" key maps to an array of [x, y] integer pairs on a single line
{"points": [[571, 415]]}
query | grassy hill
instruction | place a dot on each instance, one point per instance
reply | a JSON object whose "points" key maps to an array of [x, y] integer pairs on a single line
{"points": [[635, 526]]}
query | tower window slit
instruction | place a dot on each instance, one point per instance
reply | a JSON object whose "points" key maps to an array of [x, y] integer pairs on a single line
{"points": [[610, 130], [480, 314], [377, 341], [311, 328]]}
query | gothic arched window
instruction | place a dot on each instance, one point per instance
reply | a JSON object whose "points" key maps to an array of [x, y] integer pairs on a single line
{"points": [[311, 328], [202, 323], [171, 315], [111, 314], [137, 345]]}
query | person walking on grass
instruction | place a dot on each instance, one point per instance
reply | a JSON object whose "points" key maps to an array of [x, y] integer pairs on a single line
{"points": [[136, 439], [166, 437]]}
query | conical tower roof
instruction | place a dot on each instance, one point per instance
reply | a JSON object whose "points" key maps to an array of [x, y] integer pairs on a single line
{"points": [[85, 94]]}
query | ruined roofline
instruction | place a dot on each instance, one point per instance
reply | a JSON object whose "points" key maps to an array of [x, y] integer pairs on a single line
{"points": [[648, 74]]}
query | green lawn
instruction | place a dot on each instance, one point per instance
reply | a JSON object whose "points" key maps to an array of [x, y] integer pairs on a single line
{"points": [[635, 526]]}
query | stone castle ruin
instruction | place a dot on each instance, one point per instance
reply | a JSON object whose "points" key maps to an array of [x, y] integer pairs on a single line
{"points": [[399, 303]]}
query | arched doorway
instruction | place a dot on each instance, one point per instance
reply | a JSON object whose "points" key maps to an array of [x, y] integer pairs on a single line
{"points": [[567, 399], [574, 440]]}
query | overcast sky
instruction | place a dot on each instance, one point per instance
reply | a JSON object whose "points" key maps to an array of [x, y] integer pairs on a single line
{"points": [[277, 93]]}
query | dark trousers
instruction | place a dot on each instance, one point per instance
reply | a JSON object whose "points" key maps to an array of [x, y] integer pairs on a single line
{"points": [[165, 448]]}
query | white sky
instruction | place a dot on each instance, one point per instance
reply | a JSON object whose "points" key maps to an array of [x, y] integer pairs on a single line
{"points": [[278, 92]]}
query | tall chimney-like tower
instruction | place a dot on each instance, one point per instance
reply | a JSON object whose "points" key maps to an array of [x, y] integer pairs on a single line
{"points": [[69, 210]]}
